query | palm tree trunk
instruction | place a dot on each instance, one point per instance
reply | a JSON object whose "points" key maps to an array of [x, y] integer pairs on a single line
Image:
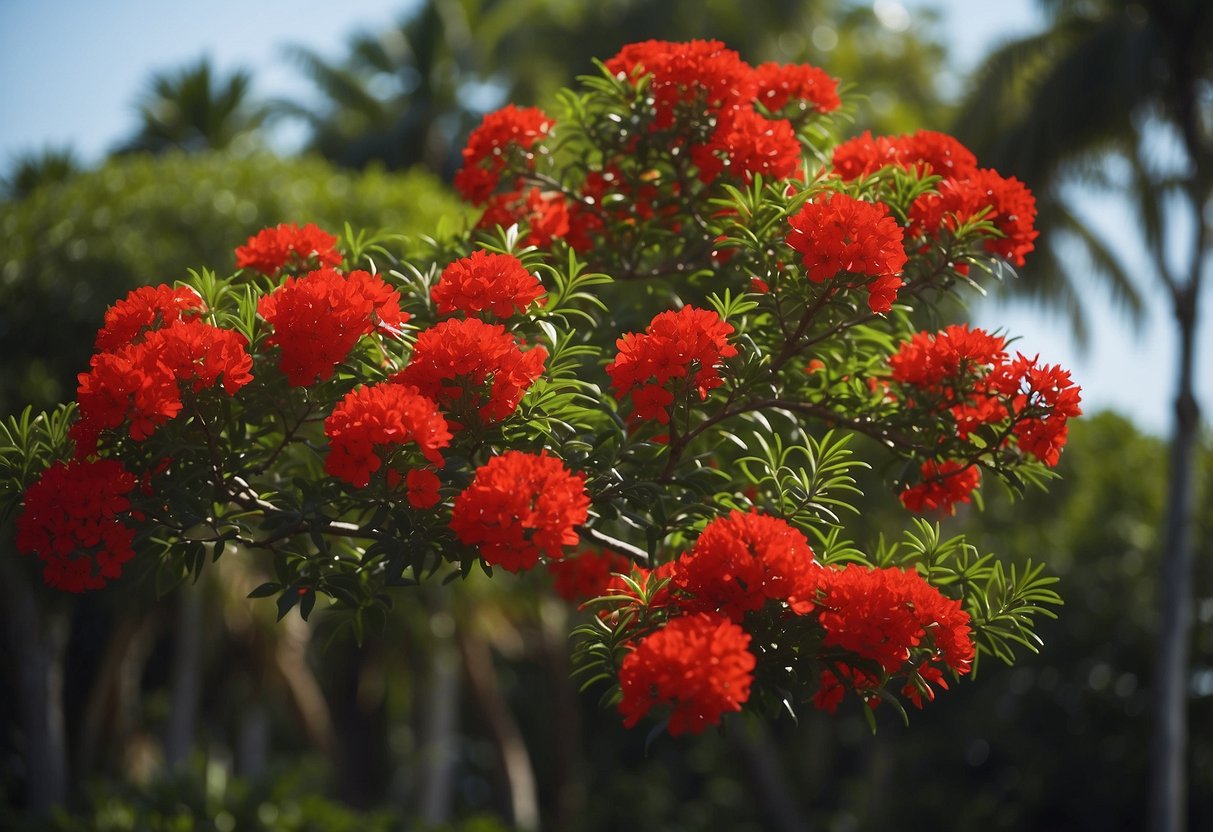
{"points": [[1168, 787]]}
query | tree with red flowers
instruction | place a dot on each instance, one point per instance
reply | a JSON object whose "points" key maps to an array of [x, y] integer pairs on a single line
{"points": [[654, 366]]}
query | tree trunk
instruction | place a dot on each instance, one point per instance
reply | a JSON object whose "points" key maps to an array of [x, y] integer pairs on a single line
{"points": [[187, 676], [514, 761], [438, 733], [37, 639], [1168, 787]]}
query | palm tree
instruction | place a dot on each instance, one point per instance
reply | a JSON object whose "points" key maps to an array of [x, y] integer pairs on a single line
{"points": [[33, 169], [1053, 107], [194, 109]]}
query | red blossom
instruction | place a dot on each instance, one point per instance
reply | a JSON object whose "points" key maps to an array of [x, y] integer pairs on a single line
{"points": [[372, 423], [926, 151], [503, 136], [839, 234], [520, 506], [741, 561], [545, 215], [140, 383], [697, 665], [932, 360], [942, 487], [749, 145], [675, 344], [498, 283], [317, 319], [1005, 202], [423, 485], [146, 308], [272, 249], [475, 371], [883, 615], [780, 84], [1043, 399], [73, 520], [701, 78], [588, 574]]}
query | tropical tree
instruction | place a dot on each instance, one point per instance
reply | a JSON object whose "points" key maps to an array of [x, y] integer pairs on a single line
{"points": [[29, 171], [195, 108], [1104, 81]]}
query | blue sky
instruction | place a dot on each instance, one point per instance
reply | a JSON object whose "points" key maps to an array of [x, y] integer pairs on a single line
{"points": [[73, 70]]}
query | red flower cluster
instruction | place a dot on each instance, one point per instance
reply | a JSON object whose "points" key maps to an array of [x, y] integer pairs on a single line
{"points": [[457, 362], [503, 137], [969, 374], [272, 249], [926, 151], [840, 234], [381, 418], [317, 319], [781, 84], [520, 506], [674, 345], [944, 359], [1044, 399], [498, 283], [1005, 202], [896, 619], [699, 665], [422, 486], [702, 76], [749, 145], [73, 520], [146, 308], [545, 215], [942, 487], [588, 574], [141, 382], [741, 561]]}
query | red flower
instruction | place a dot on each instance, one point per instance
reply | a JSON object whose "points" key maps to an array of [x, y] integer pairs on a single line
{"points": [[146, 308], [73, 520], [839, 234], [474, 370], [381, 419], [926, 151], [700, 78], [835, 681], [779, 84], [883, 614], [749, 145], [744, 559], [588, 574], [545, 214], [520, 506], [503, 137], [141, 382], [1005, 202], [942, 487], [319, 318], [423, 485], [930, 361], [1043, 400], [274, 248], [696, 664], [496, 282], [674, 345]]}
